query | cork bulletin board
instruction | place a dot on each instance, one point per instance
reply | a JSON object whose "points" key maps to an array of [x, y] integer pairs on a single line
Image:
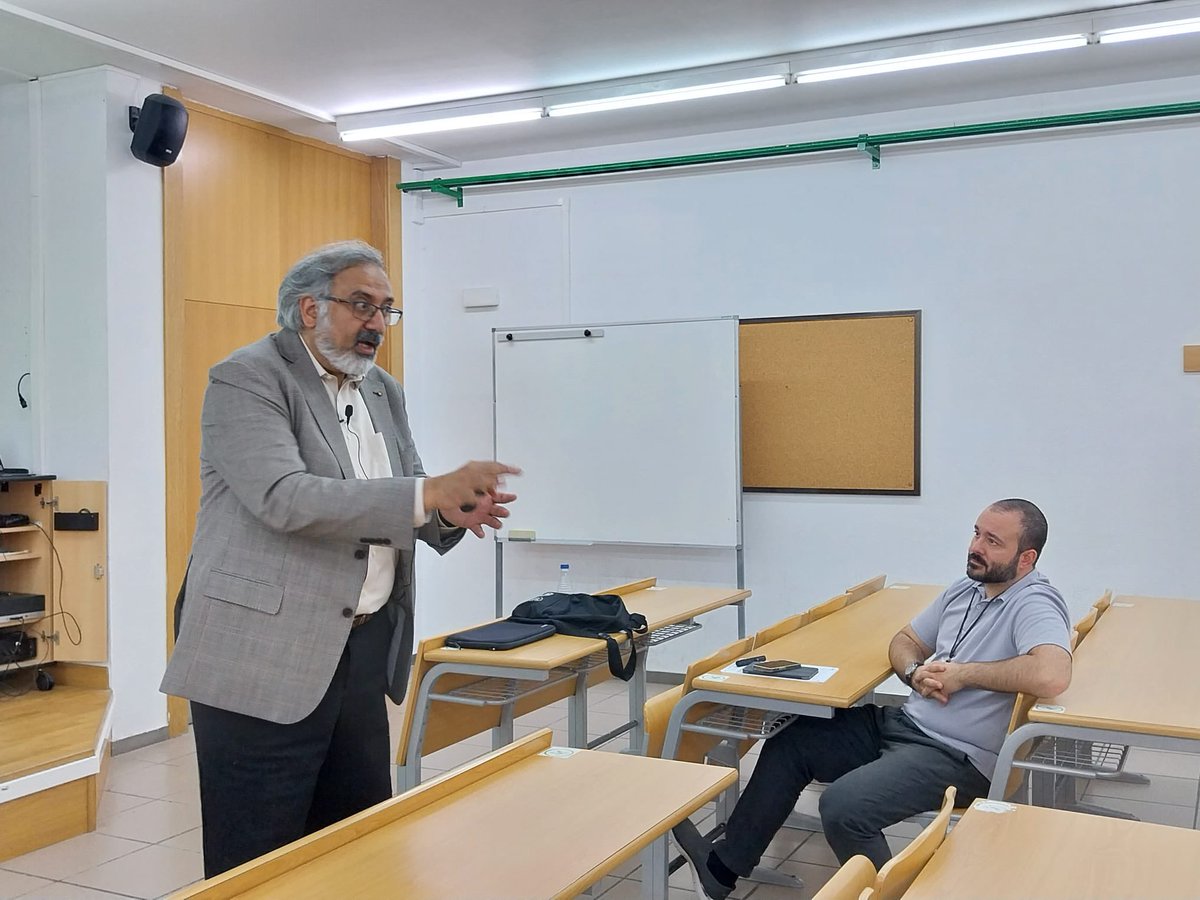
{"points": [[831, 404]]}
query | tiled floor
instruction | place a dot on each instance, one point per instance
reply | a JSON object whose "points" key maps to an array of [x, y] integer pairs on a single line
{"points": [[147, 843]]}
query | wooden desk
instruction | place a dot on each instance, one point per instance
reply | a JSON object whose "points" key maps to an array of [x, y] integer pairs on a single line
{"points": [[1032, 851], [454, 694], [854, 639], [526, 821], [1135, 681]]}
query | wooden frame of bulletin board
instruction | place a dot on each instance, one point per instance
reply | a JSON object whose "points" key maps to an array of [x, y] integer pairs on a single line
{"points": [[832, 404]]}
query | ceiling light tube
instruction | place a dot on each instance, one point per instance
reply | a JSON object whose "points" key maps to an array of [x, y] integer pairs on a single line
{"points": [[443, 120], [649, 98], [941, 58], [1152, 30]]}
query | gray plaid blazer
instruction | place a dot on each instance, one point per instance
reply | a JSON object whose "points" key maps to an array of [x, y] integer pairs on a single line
{"points": [[278, 556]]}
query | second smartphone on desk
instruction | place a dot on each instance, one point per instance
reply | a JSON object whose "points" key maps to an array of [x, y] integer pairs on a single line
{"points": [[784, 667]]}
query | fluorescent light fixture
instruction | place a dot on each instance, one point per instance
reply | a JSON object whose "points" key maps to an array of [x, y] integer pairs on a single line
{"points": [[941, 58], [671, 95], [404, 122], [1153, 30]]}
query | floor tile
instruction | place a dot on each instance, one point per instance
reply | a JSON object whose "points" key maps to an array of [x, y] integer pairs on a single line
{"points": [[190, 840], [149, 872], [163, 751], [813, 876], [1161, 789], [61, 890], [155, 821], [1163, 762], [15, 884], [74, 855], [151, 780], [815, 851], [548, 715], [111, 804]]}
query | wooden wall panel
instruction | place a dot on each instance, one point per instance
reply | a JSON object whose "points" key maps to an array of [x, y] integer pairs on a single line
{"points": [[322, 198], [85, 594], [232, 224], [243, 202]]}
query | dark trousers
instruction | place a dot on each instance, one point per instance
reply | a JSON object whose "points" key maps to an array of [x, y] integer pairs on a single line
{"points": [[263, 785], [879, 767]]}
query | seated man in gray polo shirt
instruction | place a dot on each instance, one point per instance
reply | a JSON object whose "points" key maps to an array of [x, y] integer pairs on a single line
{"points": [[1001, 629]]}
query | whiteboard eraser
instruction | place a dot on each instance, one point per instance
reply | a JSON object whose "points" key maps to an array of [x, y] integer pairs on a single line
{"points": [[518, 535]]}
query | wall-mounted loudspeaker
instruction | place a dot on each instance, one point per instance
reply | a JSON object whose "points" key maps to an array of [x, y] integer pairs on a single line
{"points": [[159, 128]]}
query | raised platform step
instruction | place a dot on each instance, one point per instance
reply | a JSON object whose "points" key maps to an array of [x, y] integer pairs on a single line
{"points": [[53, 757]]}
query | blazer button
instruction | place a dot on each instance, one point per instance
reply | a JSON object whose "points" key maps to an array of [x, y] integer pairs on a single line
{"points": [[360, 554], [348, 613]]}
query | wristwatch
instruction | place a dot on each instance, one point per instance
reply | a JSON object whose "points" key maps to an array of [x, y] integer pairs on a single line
{"points": [[909, 670]]}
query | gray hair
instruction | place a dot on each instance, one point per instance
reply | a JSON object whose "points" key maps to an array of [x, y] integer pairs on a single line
{"points": [[312, 275]]}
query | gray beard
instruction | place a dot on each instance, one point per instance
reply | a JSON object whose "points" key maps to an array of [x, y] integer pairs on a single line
{"points": [[345, 361]]}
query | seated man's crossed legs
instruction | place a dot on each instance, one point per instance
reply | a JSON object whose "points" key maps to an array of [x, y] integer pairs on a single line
{"points": [[879, 767]]}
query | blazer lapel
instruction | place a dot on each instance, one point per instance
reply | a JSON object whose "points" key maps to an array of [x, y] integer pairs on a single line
{"points": [[291, 348], [375, 396]]}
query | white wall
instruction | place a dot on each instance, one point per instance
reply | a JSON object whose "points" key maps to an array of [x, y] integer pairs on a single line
{"points": [[1057, 274], [98, 262], [16, 433]]}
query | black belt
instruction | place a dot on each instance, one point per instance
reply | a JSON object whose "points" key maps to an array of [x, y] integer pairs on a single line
{"points": [[361, 619]]}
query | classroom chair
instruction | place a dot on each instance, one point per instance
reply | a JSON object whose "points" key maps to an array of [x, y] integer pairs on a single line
{"points": [[780, 628], [902, 869], [865, 589], [830, 606], [850, 881], [1101, 606]]}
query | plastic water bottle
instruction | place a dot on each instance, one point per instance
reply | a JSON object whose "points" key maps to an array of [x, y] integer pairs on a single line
{"points": [[564, 578]]}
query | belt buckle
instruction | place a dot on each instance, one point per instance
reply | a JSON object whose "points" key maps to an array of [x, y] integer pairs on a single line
{"points": [[361, 619]]}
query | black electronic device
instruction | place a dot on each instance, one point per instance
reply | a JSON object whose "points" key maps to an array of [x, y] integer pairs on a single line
{"points": [[785, 667], [13, 520], [16, 646], [84, 520], [18, 604], [159, 128]]}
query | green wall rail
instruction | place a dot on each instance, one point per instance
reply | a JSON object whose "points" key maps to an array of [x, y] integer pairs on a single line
{"points": [[869, 144]]}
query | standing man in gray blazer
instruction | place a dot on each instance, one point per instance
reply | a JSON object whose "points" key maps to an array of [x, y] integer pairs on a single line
{"points": [[298, 614]]}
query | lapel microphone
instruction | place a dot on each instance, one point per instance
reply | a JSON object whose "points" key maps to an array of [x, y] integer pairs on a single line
{"points": [[349, 413]]}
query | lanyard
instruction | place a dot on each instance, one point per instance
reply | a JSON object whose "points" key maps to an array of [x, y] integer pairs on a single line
{"points": [[962, 635]]}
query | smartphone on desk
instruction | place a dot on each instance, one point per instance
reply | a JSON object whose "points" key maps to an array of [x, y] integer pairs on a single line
{"points": [[784, 667]]}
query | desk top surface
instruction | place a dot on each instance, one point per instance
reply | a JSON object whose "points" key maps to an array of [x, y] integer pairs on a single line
{"points": [[567, 820], [660, 605], [854, 639], [1137, 670], [1032, 851]]}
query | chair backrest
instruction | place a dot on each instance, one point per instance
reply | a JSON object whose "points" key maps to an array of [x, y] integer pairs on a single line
{"points": [[832, 605], [865, 588], [716, 660], [869, 894], [1084, 625], [655, 715], [849, 882], [902, 869], [1101, 606], [782, 627]]}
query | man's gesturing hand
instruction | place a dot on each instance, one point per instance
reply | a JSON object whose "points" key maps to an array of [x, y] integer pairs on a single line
{"points": [[470, 496]]}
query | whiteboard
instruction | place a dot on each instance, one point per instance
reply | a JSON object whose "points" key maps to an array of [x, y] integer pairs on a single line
{"points": [[626, 433]]}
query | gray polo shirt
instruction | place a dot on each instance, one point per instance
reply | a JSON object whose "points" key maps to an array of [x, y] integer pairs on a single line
{"points": [[1031, 612]]}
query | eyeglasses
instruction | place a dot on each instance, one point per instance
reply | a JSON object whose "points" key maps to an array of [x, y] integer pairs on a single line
{"points": [[366, 311]]}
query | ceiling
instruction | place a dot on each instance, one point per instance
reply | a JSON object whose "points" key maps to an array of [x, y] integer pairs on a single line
{"points": [[296, 64]]}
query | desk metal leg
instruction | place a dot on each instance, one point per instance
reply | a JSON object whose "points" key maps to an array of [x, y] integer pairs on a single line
{"points": [[637, 705], [577, 732], [741, 608], [655, 860]]}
